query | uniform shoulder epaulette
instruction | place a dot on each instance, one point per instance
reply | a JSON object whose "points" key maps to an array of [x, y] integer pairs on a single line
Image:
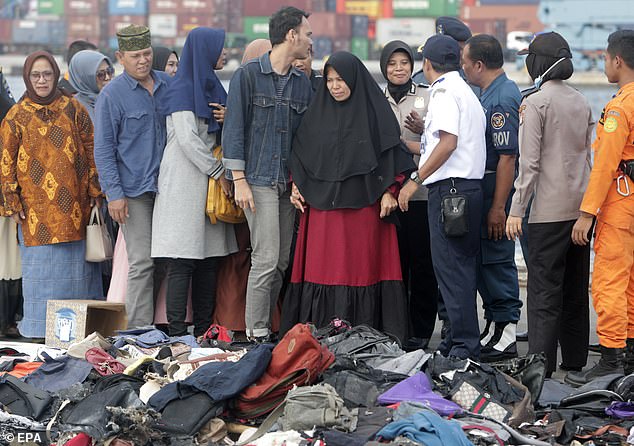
{"points": [[528, 91]]}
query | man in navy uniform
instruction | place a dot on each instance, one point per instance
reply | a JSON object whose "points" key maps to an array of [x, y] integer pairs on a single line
{"points": [[482, 61]]}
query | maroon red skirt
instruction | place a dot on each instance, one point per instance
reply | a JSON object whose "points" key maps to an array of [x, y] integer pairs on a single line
{"points": [[346, 265]]}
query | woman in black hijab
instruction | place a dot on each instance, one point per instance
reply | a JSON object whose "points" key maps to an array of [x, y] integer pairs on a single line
{"points": [[409, 103], [347, 162], [165, 59]]}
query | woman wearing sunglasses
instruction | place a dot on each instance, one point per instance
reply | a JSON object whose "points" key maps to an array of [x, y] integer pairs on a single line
{"points": [[49, 183], [89, 71]]}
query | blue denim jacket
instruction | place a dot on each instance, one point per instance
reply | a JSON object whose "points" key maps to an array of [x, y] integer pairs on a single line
{"points": [[257, 133]]}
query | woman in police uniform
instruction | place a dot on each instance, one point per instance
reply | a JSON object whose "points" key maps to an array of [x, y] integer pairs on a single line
{"points": [[409, 104]]}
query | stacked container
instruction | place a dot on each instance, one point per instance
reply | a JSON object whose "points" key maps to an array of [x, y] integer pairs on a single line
{"points": [[254, 8], [425, 8], [83, 21], [49, 33]]}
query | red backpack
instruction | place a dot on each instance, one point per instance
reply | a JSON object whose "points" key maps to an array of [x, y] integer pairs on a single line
{"points": [[299, 359]]}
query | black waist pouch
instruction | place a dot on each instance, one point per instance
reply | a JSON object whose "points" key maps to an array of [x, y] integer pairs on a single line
{"points": [[454, 209], [627, 166]]}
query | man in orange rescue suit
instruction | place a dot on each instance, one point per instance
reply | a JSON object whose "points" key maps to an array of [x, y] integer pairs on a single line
{"points": [[610, 197]]}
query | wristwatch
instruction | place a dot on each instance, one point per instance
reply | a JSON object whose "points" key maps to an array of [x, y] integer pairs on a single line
{"points": [[415, 178]]}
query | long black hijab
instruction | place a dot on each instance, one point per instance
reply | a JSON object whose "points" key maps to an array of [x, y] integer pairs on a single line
{"points": [[346, 154], [396, 91]]}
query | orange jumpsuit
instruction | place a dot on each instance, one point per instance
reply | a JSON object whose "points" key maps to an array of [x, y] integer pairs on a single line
{"points": [[613, 275]]}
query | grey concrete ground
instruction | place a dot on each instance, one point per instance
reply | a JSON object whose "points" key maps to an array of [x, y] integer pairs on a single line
{"points": [[522, 347]]}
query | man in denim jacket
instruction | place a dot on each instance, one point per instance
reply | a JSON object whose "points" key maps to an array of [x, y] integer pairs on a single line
{"points": [[267, 98]]}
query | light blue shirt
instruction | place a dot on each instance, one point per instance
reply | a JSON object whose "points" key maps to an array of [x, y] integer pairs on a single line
{"points": [[130, 136]]}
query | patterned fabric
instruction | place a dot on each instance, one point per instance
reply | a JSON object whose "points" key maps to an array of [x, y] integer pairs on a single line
{"points": [[48, 170], [134, 38]]}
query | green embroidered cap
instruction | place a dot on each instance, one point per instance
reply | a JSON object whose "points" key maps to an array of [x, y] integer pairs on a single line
{"points": [[134, 38]]}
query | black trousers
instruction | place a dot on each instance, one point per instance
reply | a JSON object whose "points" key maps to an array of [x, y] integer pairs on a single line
{"points": [[202, 275], [418, 269], [455, 267], [557, 302]]}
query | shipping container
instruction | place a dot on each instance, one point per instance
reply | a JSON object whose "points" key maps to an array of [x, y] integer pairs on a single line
{"points": [[235, 24], [425, 8], [341, 44], [413, 31], [6, 26], [83, 25], [322, 47], [330, 24], [81, 7], [164, 6], [127, 7], [83, 28], [201, 6], [50, 7], [163, 25], [360, 46], [49, 33], [508, 2], [231, 7], [517, 17], [359, 25], [268, 7], [317, 6], [256, 27], [187, 22], [371, 8], [116, 22]]}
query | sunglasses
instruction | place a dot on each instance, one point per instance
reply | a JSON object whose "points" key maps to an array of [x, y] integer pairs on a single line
{"points": [[101, 74]]}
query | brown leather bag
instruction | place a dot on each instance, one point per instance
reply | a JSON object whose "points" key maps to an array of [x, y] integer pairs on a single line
{"points": [[299, 359]]}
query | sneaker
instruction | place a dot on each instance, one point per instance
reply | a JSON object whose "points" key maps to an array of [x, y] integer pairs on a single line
{"points": [[502, 344], [270, 338], [522, 336], [487, 334], [493, 355]]}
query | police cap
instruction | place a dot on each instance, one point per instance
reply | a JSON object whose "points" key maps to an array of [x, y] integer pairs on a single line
{"points": [[453, 27]]}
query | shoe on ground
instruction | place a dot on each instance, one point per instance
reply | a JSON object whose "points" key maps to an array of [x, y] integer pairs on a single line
{"points": [[611, 362], [445, 329], [569, 368], [415, 343], [501, 344], [270, 338], [493, 355], [522, 336], [486, 334]]}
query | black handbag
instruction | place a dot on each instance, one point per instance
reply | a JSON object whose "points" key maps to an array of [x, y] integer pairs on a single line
{"points": [[23, 399], [454, 210]]}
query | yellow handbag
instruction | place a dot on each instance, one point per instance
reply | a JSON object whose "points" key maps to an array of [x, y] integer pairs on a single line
{"points": [[219, 206]]}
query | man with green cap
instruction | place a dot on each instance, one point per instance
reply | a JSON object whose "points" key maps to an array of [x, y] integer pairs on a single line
{"points": [[130, 136]]}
